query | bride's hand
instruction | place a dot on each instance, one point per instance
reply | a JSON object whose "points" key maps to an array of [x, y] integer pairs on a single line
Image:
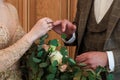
{"points": [[40, 29]]}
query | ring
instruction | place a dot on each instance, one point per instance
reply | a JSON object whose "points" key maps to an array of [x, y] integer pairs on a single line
{"points": [[49, 22]]}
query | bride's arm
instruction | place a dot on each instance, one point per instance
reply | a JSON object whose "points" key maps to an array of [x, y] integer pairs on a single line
{"points": [[13, 53]]}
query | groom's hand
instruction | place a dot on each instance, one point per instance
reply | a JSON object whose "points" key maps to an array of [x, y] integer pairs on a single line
{"points": [[93, 59], [64, 26]]}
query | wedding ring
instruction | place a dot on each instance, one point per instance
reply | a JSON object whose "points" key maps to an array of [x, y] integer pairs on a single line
{"points": [[49, 22]]}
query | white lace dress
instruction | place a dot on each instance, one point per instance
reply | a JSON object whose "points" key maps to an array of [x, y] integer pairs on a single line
{"points": [[11, 51]]}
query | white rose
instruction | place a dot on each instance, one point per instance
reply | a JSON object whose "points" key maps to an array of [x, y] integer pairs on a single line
{"points": [[56, 55]]}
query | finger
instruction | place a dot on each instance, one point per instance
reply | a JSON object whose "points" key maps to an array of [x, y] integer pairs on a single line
{"points": [[81, 58], [57, 23], [48, 21], [64, 25], [90, 66], [74, 28], [50, 26]]}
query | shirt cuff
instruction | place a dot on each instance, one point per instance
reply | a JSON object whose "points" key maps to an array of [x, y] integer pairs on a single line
{"points": [[71, 40], [111, 61]]}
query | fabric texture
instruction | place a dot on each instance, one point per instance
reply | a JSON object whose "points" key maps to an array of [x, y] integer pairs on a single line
{"points": [[112, 38], [12, 45], [8, 47]]}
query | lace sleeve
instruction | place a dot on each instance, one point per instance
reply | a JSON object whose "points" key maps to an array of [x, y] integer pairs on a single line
{"points": [[13, 53]]}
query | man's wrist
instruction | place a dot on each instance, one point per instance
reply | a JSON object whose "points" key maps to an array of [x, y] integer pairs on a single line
{"points": [[71, 40], [110, 61], [69, 37]]}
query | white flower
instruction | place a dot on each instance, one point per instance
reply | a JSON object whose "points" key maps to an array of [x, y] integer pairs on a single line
{"points": [[56, 55]]}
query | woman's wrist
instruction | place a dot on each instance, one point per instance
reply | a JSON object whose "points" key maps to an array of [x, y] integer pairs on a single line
{"points": [[29, 38]]}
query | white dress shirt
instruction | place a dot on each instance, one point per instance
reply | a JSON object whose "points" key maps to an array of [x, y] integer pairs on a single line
{"points": [[100, 9]]}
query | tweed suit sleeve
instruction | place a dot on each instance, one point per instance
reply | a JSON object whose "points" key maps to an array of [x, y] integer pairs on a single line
{"points": [[113, 44], [75, 22], [116, 38]]}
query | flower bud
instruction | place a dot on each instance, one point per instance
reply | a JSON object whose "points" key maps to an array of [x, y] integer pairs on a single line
{"points": [[63, 67]]}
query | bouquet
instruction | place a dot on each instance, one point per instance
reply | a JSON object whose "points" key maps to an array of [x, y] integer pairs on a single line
{"points": [[51, 62]]}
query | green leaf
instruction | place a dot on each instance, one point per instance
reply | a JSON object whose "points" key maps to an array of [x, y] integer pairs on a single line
{"points": [[50, 77], [110, 76], [44, 37], [64, 77], [43, 65], [91, 72], [91, 76], [84, 78], [71, 61], [40, 74], [81, 64], [100, 69], [98, 77], [55, 63], [31, 64], [77, 76], [54, 42], [39, 47], [64, 51], [64, 36], [52, 69], [36, 60], [64, 60], [76, 69], [40, 53]]}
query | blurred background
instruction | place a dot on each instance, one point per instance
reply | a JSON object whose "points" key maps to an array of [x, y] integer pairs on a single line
{"points": [[31, 10]]}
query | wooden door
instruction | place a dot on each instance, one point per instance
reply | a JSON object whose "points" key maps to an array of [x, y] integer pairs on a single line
{"points": [[32, 10]]}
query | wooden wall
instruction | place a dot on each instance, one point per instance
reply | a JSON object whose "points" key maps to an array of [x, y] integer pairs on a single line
{"points": [[31, 10]]}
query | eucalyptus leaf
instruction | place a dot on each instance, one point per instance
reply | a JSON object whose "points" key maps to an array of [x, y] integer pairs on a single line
{"points": [[50, 77], [110, 76], [36, 60], [39, 47], [52, 69], [43, 65], [55, 63], [64, 51], [44, 37], [54, 42], [91, 76], [40, 74], [82, 64], [71, 61], [64, 60], [77, 76], [84, 78], [40, 53], [64, 36], [31, 64], [64, 77]]}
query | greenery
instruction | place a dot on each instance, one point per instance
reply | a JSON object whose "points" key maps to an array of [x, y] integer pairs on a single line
{"points": [[47, 62]]}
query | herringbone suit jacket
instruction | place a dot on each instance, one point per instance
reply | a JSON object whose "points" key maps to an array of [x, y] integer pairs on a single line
{"points": [[112, 42]]}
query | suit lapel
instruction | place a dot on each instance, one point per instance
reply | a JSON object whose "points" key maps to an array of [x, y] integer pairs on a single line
{"points": [[85, 6], [114, 17]]}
